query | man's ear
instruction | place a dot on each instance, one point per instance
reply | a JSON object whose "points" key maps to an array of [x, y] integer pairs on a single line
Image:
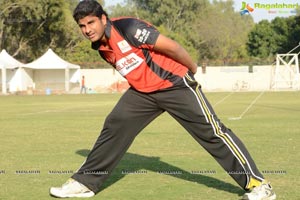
{"points": [[103, 19]]}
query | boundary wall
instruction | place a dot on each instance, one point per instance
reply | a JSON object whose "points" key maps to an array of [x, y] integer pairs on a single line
{"points": [[213, 79]]}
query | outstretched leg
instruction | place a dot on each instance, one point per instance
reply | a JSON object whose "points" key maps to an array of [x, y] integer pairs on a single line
{"points": [[192, 110], [131, 114]]}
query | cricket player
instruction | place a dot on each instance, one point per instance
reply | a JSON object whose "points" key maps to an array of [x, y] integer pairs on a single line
{"points": [[161, 75]]}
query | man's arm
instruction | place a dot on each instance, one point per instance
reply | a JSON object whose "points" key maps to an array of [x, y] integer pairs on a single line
{"points": [[175, 51]]}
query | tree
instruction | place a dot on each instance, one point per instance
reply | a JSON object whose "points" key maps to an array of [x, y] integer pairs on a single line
{"points": [[205, 29], [83, 55], [262, 40], [278, 36], [29, 28], [223, 32], [293, 36]]}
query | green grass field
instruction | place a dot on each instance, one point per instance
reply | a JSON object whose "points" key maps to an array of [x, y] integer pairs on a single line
{"points": [[46, 138]]}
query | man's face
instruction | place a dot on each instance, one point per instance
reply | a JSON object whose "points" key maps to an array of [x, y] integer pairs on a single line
{"points": [[93, 28]]}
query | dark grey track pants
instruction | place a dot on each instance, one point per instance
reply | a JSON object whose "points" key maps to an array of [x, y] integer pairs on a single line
{"points": [[188, 105]]}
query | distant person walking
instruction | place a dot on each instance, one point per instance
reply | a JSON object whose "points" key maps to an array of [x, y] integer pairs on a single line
{"points": [[83, 88]]}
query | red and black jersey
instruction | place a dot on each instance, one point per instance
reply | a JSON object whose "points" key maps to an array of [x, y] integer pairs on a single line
{"points": [[131, 42]]}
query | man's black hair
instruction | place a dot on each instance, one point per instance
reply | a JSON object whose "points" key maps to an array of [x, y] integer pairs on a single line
{"points": [[88, 8]]}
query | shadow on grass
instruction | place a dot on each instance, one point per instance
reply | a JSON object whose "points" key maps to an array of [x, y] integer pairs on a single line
{"points": [[135, 163]]}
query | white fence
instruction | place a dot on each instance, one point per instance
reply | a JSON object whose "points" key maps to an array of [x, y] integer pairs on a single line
{"points": [[235, 78], [241, 78], [258, 78]]}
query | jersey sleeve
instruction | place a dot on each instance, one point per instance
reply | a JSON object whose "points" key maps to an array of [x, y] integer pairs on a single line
{"points": [[137, 32]]}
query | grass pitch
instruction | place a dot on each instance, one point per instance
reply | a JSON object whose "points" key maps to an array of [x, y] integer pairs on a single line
{"points": [[44, 139]]}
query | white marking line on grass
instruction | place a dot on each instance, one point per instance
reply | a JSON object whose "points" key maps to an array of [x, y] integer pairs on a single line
{"points": [[248, 108], [224, 98]]}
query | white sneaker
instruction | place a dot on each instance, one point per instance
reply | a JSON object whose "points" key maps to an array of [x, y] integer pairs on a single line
{"points": [[71, 188], [262, 192]]}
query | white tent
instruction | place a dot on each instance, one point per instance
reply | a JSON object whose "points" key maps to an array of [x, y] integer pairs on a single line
{"points": [[49, 69], [7, 62]]}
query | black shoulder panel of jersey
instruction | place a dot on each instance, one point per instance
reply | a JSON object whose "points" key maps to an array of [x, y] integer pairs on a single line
{"points": [[96, 45], [136, 32]]}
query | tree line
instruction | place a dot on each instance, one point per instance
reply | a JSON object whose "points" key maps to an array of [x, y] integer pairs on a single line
{"points": [[212, 31]]}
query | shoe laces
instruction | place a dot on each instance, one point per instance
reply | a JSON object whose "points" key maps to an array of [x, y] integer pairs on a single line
{"points": [[262, 188], [68, 182], [72, 184]]}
